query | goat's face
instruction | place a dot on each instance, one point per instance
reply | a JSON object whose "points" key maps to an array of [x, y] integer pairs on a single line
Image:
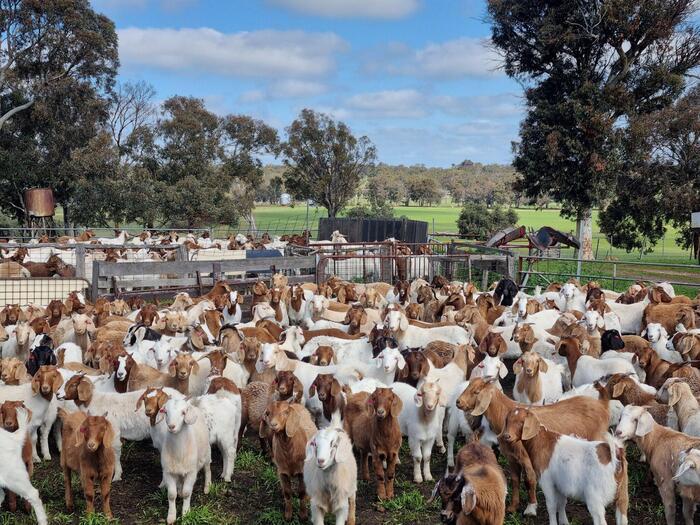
{"points": [[396, 320], [12, 314], [530, 363], [324, 447], [323, 356], [162, 353], [414, 311], [318, 304], [491, 368], [175, 322], [355, 318], [284, 383], [276, 415], [612, 340], [178, 412], [635, 421], [523, 333], [23, 331], [430, 395], [688, 472], [119, 307], [521, 425], [56, 309], [153, 400], [475, 399], [182, 366], [449, 489], [8, 415], [325, 386], [123, 366], [655, 332], [268, 354], [12, 371], [96, 431], [493, 344], [390, 359], [251, 348], [148, 314], [417, 364], [82, 323], [568, 291], [47, 381], [217, 359], [593, 320], [383, 403]]}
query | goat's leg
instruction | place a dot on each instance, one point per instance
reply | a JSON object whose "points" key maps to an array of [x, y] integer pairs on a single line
{"points": [[427, 448], [68, 489], [117, 446], [351, 511], [668, 497], [26, 491], [514, 472], [86, 480], [564, 520], [45, 431], [316, 515], [551, 499], [207, 476], [286, 485], [417, 455], [364, 463], [35, 454], [229, 461], [303, 500], [379, 475], [172, 498], [11, 501], [341, 515], [688, 510], [439, 440], [187, 485], [390, 474], [105, 491]]}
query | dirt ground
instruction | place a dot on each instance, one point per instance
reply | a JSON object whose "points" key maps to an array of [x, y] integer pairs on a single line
{"points": [[254, 497]]}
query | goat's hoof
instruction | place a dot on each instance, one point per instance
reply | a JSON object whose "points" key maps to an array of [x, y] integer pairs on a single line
{"points": [[442, 450], [417, 479], [531, 510]]}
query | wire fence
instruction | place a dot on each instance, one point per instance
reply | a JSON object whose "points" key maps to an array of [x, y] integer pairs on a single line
{"points": [[39, 291]]}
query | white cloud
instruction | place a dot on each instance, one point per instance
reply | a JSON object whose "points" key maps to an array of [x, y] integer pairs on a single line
{"points": [[166, 5], [502, 105], [265, 53], [463, 57], [294, 88], [400, 103], [352, 8]]}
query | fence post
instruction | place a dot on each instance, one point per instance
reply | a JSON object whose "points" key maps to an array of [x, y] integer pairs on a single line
{"points": [[80, 261], [181, 253], [94, 289]]}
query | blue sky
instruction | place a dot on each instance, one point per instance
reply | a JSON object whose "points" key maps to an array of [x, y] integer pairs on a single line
{"points": [[413, 75]]}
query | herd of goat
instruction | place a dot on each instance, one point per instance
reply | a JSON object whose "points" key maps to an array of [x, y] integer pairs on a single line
{"points": [[331, 377]]}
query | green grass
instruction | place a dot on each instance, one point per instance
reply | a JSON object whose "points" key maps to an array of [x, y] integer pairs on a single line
{"points": [[97, 519]]}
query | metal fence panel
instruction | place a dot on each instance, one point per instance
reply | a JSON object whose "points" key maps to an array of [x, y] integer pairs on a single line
{"points": [[369, 230], [39, 291]]}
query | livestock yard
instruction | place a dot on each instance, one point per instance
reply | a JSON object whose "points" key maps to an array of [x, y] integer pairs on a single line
{"points": [[207, 365]]}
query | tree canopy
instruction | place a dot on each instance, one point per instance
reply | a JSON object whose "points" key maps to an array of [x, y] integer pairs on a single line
{"points": [[325, 161], [589, 68]]}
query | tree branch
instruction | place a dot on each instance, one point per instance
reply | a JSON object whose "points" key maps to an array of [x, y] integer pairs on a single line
{"points": [[7, 116]]}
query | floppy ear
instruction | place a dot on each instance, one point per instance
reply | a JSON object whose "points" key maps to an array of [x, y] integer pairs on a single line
{"points": [[190, 415], [424, 368], [298, 386], [80, 435], [312, 389], [56, 382], [194, 367], [344, 454], [84, 390], [173, 371], [403, 322], [3, 316], [468, 498], [645, 424], [483, 401], [370, 406], [396, 406], [310, 450], [139, 401], [401, 364], [20, 371], [618, 390], [518, 366], [674, 395], [36, 385], [530, 337], [531, 426], [502, 370], [293, 424], [418, 399], [335, 388], [543, 365], [108, 436]]}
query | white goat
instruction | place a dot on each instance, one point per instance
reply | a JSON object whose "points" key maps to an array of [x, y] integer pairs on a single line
{"points": [[13, 475], [330, 475], [410, 336], [658, 337], [184, 453]]}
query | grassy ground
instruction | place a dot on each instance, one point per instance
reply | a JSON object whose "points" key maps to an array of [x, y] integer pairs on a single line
{"points": [[254, 496], [443, 218]]}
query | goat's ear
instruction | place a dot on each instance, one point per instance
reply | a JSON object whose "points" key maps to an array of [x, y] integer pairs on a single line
{"points": [[483, 401], [56, 382], [396, 406], [3, 316], [674, 394], [502, 370], [108, 436], [139, 401], [425, 368], [190, 415], [20, 371], [403, 322], [401, 364], [312, 390], [310, 450], [518, 366], [544, 367], [530, 337], [645, 424], [293, 424], [298, 386], [468, 497], [36, 384], [531, 426], [618, 389], [194, 367], [80, 435], [335, 388], [172, 370]]}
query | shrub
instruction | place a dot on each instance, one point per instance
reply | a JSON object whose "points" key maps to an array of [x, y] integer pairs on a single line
{"points": [[479, 222], [373, 211]]}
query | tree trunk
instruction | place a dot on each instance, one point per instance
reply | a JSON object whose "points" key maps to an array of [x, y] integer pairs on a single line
{"points": [[584, 234]]}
